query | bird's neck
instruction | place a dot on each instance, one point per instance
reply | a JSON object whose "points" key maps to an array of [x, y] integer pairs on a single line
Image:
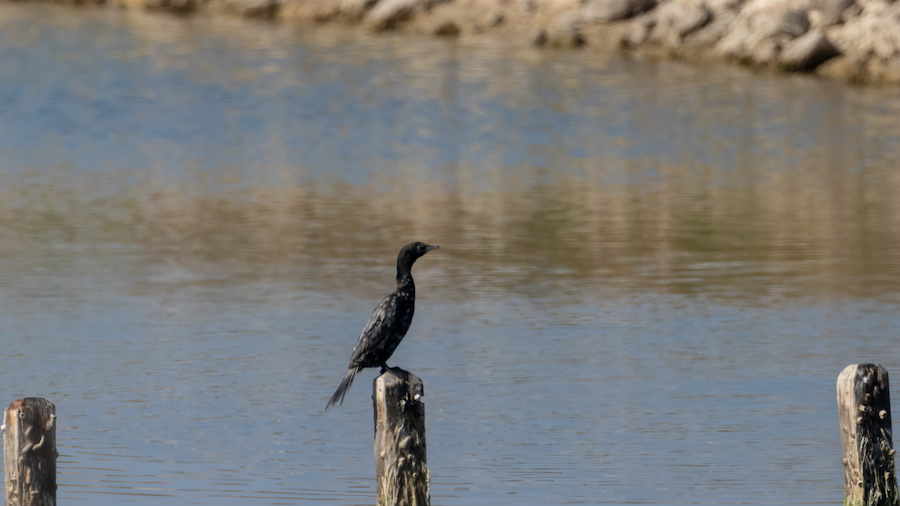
{"points": [[404, 276]]}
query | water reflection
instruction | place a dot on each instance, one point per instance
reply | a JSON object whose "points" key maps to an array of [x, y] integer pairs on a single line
{"points": [[640, 262], [791, 233]]}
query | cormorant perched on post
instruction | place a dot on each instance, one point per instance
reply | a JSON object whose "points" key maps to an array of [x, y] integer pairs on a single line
{"points": [[388, 323]]}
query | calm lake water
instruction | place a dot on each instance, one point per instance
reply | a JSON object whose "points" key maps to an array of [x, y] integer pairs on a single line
{"points": [[650, 274]]}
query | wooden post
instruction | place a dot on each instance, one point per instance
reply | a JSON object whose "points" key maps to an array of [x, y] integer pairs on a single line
{"points": [[400, 465], [864, 404], [29, 452]]}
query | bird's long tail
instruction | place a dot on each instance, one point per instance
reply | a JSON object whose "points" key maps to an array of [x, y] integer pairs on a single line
{"points": [[338, 397]]}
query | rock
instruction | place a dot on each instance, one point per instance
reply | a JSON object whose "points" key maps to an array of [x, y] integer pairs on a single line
{"points": [[792, 23], [762, 52], [676, 19], [808, 51], [491, 20], [252, 8], [607, 11], [571, 40], [735, 44], [176, 6], [875, 33], [852, 70], [830, 12], [757, 36], [447, 29], [540, 38], [891, 73], [712, 32], [564, 31], [719, 6], [388, 14], [857, 70], [354, 10], [865, 4], [637, 32]]}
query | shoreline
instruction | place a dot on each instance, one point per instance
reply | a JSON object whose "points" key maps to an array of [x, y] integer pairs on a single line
{"points": [[857, 42]]}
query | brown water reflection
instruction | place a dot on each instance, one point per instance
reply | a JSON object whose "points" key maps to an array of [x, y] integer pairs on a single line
{"points": [[802, 230]]}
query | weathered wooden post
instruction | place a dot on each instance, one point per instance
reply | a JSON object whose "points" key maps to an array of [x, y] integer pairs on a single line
{"points": [[400, 465], [864, 404], [29, 452]]}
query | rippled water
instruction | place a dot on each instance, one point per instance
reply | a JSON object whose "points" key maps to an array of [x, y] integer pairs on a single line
{"points": [[650, 274]]}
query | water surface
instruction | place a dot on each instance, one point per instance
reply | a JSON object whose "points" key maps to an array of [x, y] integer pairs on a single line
{"points": [[650, 274]]}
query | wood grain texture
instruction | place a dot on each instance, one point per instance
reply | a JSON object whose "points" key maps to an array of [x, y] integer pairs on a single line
{"points": [[29, 452], [400, 464], [864, 404]]}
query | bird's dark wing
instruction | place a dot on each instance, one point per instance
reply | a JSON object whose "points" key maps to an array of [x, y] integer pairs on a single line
{"points": [[370, 346]]}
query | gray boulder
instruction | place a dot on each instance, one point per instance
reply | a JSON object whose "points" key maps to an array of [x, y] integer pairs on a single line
{"points": [[354, 10], [448, 28], [564, 31], [757, 36], [177, 6], [252, 8], [389, 14], [830, 12], [808, 51], [874, 33], [606, 11], [676, 19]]}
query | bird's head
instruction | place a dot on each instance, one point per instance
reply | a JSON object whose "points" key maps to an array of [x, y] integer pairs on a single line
{"points": [[412, 251], [408, 255]]}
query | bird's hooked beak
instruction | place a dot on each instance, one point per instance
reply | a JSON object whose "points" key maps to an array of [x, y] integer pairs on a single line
{"points": [[431, 248]]}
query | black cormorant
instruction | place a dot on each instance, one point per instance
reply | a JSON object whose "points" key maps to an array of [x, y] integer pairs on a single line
{"points": [[388, 323]]}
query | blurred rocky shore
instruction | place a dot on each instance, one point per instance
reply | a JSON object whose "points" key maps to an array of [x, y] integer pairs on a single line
{"points": [[854, 40]]}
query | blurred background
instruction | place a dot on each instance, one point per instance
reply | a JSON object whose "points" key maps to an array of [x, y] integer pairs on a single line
{"points": [[650, 274]]}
